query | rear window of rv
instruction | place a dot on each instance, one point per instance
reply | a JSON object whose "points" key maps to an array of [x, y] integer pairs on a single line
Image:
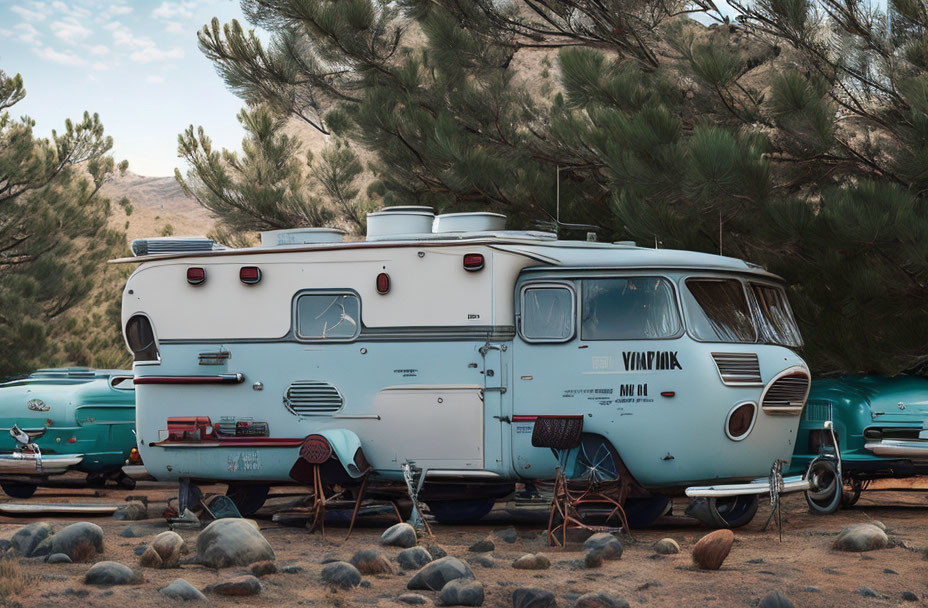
{"points": [[547, 313], [330, 316], [717, 311], [632, 308]]}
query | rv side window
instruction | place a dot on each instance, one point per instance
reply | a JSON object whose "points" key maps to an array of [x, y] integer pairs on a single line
{"points": [[717, 311], [547, 313], [141, 339], [331, 316], [633, 308], [776, 318]]}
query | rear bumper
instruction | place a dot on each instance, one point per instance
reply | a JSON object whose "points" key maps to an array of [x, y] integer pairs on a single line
{"points": [[899, 448], [796, 483], [34, 464]]}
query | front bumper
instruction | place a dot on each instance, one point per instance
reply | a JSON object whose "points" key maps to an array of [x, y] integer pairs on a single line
{"points": [[795, 483], [899, 448], [18, 463]]}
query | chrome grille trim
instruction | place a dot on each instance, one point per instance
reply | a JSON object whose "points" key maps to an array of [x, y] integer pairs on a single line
{"points": [[787, 392], [738, 369], [309, 397]]}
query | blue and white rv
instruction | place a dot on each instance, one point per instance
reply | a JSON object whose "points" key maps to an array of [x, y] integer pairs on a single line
{"points": [[470, 352]]}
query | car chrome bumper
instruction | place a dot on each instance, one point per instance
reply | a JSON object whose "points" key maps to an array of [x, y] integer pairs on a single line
{"points": [[899, 448], [33, 464], [795, 483]]}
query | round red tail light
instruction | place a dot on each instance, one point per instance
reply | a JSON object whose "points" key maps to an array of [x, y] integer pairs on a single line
{"points": [[249, 275], [383, 283], [473, 261], [196, 276]]}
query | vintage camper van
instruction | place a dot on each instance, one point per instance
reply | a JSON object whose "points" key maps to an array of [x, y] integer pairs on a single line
{"points": [[463, 348]]}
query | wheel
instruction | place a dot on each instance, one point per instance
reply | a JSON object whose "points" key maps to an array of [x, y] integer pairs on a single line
{"points": [[642, 512], [824, 497], [852, 491], [124, 481], [248, 498], [18, 490], [595, 460], [96, 480], [724, 511], [460, 511]]}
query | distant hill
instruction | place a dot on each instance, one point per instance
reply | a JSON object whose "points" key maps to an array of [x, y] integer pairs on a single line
{"points": [[156, 202]]}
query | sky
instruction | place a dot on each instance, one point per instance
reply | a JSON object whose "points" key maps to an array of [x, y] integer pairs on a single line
{"points": [[134, 62]]}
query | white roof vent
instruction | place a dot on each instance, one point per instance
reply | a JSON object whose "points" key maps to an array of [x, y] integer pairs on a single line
{"points": [[392, 221], [480, 221], [301, 236]]}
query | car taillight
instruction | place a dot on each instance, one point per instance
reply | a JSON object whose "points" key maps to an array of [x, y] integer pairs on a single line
{"points": [[473, 261], [189, 428], [249, 275], [196, 276], [383, 283], [316, 449]]}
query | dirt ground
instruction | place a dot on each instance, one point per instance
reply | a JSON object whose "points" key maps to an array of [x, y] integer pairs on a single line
{"points": [[801, 566]]}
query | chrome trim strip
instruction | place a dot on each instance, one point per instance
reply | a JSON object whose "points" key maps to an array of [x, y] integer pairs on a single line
{"points": [[461, 473], [475, 333], [795, 483], [899, 447]]}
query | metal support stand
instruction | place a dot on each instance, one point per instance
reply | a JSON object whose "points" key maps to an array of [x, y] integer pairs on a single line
{"points": [[776, 489], [415, 478], [189, 495]]}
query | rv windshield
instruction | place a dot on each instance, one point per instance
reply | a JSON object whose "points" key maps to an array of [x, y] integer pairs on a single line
{"points": [[719, 310]]}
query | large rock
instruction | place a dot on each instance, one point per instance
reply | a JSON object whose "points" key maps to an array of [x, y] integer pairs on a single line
{"points": [[81, 541], [164, 551], [600, 599], [712, 549], [531, 562], [183, 591], [606, 543], [371, 561], [413, 558], [531, 597], [341, 574], [482, 546], [232, 542], [861, 537], [462, 592], [439, 573], [263, 568], [775, 599], [28, 538], [238, 586], [111, 573], [133, 510], [413, 599], [399, 535], [58, 558]]}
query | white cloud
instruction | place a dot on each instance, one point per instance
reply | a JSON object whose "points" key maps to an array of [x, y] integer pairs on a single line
{"points": [[69, 30], [71, 10], [142, 49], [62, 58], [152, 53], [171, 10], [98, 49], [154, 79], [174, 27], [24, 32], [36, 14], [119, 9]]}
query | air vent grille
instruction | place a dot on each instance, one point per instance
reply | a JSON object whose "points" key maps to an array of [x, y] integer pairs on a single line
{"points": [[308, 397], [787, 394], [738, 369]]}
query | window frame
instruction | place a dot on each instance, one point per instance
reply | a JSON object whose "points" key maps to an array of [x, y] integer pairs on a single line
{"points": [[711, 277], [750, 284], [676, 296], [573, 311], [324, 292]]}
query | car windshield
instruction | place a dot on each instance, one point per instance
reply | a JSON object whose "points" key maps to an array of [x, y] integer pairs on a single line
{"points": [[719, 310]]}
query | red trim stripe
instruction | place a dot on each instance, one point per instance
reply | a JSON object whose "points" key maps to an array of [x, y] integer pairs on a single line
{"points": [[239, 442]]}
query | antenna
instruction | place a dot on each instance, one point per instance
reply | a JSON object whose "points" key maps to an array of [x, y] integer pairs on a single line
{"points": [[557, 181], [720, 232]]}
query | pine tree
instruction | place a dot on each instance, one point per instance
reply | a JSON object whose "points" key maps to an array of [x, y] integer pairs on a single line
{"points": [[53, 234]]}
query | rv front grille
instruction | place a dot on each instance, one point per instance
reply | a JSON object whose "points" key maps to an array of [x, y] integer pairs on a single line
{"points": [[308, 397], [787, 394], [738, 369]]}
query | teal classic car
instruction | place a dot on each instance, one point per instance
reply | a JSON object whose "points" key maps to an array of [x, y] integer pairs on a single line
{"points": [[879, 426], [60, 420]]}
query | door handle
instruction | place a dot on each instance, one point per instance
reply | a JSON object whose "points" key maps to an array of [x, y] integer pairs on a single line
{"points": [[503, 419]]}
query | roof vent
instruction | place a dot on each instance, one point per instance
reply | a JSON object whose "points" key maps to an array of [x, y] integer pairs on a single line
{"points": [[392, 221], [301, 236], [469, 222], [174, 244]]}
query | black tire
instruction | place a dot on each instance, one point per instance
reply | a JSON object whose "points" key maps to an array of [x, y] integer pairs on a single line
{"points": [[453, 512], [642, 512], [125, 482], [248, 498], [96, 480], [21, 491], [724, 512], [852, 493], [828, 489]]}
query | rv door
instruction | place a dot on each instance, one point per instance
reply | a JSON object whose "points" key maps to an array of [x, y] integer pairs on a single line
{"points": [[495, 381]]}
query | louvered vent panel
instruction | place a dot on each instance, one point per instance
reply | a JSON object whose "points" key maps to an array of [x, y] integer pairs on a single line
{"points": [[306, 397], [786, 395], [738, 368], [817, 412]]}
